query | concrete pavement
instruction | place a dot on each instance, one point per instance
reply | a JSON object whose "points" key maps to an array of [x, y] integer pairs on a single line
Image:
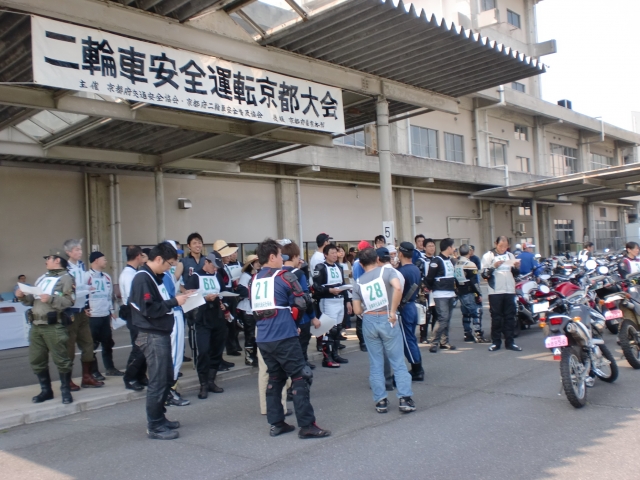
{"points": [[480, 415]]}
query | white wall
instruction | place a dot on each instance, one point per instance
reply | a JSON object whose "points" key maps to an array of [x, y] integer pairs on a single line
{"points": [[39, 210], [436, 207]]}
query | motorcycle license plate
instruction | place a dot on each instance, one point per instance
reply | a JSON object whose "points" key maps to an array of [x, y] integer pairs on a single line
{"points": [[557, 341], [540, 307], [611, 314]]}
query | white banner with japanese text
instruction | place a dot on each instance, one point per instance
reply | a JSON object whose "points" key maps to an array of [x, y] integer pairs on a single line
{"points": [[85, 59]]}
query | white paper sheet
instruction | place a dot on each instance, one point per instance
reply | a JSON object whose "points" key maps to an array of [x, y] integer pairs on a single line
{"points": [[228, 294], [30, 289], [342, 288], [116, 323], [326, 322], [193, 301]]}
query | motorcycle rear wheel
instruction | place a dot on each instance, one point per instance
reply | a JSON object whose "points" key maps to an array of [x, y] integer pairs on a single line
{"points": [[628, 336], [613, 328], [574, 388], [613, 366]]}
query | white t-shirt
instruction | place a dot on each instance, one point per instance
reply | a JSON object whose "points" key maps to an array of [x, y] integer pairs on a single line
{"points": [[126, 277], [316, 258]]}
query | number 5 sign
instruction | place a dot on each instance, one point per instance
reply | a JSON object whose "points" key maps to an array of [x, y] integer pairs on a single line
{"points": [[389, 232]]}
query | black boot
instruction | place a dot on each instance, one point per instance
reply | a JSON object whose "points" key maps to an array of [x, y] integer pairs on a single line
{"points": [[335, 355], [204, 386], [65, 387], [212, 382], [95, 372], [417, 372], [319, 344], [248, 360], [46, 392]]}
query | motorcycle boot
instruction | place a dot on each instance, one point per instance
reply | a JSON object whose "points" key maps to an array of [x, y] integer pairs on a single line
{"points": [[478, 338], [335, 355], [212, 382], [417, 372], [65, 388], [88, 380], [96, 372], [73, 386], [327, 357], [46, 392], [204, 386]]}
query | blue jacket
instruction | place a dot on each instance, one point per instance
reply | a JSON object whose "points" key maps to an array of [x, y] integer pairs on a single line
{"points": [[527, 262]]}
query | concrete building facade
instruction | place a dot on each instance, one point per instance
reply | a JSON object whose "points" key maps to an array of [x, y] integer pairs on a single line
{"points": [[500, 137]]}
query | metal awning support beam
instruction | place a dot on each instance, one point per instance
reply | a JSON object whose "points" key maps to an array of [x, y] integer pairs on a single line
{"points": [[615, 195], [44, 100], [585, 184], [111, 17], [19, 117]]}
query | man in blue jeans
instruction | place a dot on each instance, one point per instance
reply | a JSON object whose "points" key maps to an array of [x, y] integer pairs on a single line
{"points": [[409, 311], [441, 281], [152, 314], [376, 296], [466, 273]]}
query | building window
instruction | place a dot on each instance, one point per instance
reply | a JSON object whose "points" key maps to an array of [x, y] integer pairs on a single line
{"points": [[564, 235], [498, 153], [600, 161], [524, 163], [454, 147], [607, 235], [518, 86], [564, 160], [603, 212], [487, 5], [521, 132], [513, 18], [524, 212], [351, 140], [424, 142]]}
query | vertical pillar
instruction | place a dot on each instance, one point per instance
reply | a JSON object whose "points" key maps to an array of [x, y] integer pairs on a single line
{"points": [[617, 154], [118, 230], [544, 232], [532, 39], [540, 159], [384, 158], [482, 142], [487, 228], [160, 225], [536, 233], [113, 262], [622, 228], [287, 210], [584, 153], [404, 207]]}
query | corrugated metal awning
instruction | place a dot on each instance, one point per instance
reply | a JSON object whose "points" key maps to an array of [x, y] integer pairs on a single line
{"points": [[598, 185], [386, 40]]}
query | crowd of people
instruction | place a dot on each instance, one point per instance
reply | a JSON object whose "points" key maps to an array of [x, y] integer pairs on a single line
{"points": [[398, 297]]}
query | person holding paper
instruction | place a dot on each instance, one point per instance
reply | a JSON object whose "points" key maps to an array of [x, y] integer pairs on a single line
{"points": [[377, 296], [152, 314], [278, 302], [226, 251], [48, 320], [210, 323], [79, 330], [327, 276], [101, 311], [500, 268], [251, 267]]}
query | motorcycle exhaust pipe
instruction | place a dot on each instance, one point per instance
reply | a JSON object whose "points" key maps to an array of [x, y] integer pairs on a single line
{"points": [[579, 333]]}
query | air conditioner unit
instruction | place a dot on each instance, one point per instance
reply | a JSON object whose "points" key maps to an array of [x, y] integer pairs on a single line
{"points": [[521, 229]]}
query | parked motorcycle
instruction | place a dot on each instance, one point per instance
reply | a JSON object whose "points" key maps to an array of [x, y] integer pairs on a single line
{"points": [[629, 331], [576, 340]]}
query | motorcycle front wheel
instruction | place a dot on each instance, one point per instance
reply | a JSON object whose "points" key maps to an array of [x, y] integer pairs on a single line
{"points": [[573, 378], [607, 372], [628, 336]]}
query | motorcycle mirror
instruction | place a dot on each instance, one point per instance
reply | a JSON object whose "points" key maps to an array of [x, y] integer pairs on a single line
{"points": [[591, 264], [603, 270], [544, 289]]}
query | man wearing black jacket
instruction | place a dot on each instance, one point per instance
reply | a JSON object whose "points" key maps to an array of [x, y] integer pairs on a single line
{"points": [[152, 314], [210, 323], [327, 277], [441, 281]]}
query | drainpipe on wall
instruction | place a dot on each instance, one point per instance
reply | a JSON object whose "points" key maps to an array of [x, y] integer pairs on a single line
{"points": [[112, 221]]}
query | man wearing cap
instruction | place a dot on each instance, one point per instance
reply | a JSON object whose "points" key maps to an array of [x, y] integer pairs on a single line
{"points": [[210, 323], [48, 320], [101, 311], [225, 250], [527, 259], [408, 310], [466, 273], [322, 240], [278, 302], [135, 377], [376, 296], [79, 330], [327, 277]]}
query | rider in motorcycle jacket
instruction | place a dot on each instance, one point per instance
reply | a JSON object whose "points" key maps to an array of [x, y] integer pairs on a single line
{"points": [[630, 263]]}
